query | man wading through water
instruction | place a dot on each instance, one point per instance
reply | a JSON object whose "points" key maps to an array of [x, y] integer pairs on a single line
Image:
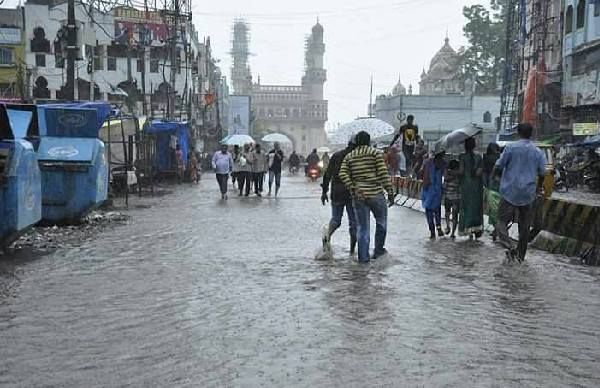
{"points": [[340, 198], [523, 167], [366, 177]]}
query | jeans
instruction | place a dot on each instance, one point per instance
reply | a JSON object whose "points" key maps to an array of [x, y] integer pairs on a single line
{"points": [[434, 218], [244, 178], [222, 179], [258, 182], [507, 212], [363, 209], [337, 212], [274, 175]]}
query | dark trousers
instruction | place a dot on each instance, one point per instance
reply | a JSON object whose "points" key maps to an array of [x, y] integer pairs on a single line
{"points": [[258, 181], [222, 179], [434, 218], [508, 212], [244, 178]]}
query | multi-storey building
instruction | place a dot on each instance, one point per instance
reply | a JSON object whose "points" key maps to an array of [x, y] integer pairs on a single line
{"points": [[298, 111], [12, 62], [581, 50], [123, 55], [533, 67]]}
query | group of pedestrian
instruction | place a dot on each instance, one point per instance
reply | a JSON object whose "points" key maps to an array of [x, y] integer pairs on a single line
{"points": [[248, 167], [359, 182], [520, 169]]}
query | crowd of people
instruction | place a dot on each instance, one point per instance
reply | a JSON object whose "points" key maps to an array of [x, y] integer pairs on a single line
{"points": [[359, 179], [248, 167]]}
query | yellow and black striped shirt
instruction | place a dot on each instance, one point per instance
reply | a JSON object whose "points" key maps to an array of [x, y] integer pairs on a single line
{"points": [[364, 169]]}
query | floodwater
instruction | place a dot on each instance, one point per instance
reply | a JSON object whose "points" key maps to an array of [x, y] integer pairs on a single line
{"points": [[194, 292]]}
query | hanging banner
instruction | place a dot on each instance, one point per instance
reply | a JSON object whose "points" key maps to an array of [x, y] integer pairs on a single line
{"points": [[239, 115]]}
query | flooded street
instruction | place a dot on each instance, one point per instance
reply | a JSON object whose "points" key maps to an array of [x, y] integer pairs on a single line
{"points": [[201, 293]]}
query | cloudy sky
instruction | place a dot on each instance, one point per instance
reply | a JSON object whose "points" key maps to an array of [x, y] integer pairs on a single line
{"points": [[385, 38]]}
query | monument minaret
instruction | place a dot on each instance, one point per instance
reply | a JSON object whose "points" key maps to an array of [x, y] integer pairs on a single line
{"points": [[315, 75]]}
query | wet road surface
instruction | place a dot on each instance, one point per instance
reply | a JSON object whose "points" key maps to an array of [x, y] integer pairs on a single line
{"points": [[200, 293]]}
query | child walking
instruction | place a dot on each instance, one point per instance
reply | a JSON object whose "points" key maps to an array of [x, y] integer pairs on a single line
{"points": [[452, 197]]}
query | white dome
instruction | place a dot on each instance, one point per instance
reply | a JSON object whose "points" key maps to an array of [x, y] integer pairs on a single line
{"points": [[375, 127]]}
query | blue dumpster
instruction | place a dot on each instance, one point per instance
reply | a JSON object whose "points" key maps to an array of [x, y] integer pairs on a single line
{"points": [[20, 180], [72, 160]]}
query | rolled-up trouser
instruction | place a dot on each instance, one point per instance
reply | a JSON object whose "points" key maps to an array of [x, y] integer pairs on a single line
{"points": [[508, 212], [222, 179]]}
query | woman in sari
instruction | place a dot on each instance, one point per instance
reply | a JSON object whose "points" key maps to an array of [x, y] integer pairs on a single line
{"points": [[471, 187]]}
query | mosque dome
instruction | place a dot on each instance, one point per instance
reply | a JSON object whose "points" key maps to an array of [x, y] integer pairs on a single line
{"points": [[446, 55], [375, 127], [399, 89]]}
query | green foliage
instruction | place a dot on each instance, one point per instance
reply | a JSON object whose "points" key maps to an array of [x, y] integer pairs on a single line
{"points": [[483, 59]]}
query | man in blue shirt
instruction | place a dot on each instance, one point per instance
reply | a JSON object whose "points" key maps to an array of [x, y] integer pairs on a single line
{"points": [[523, 167], [222, 163]]}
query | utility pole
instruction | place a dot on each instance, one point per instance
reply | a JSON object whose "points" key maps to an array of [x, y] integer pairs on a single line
{"points": [[173, 58], [71, 50]]}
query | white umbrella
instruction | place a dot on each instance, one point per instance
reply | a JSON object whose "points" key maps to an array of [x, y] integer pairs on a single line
{"points": [[276, 138], [457, 137], [239, 140], [322, 150]]}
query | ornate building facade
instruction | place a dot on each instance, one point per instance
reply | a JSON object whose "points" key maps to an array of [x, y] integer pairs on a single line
{"points": [[297, 111]]}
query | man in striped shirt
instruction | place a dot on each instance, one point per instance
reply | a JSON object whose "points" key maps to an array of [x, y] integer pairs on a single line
{"points": [[365, 175]]}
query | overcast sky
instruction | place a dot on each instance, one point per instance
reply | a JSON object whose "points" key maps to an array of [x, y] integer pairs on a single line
{"points": [[386, 38]]}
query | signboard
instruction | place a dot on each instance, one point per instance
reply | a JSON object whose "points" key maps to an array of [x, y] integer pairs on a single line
{"points": [[10, 36], [239, 115], [585, 129]]}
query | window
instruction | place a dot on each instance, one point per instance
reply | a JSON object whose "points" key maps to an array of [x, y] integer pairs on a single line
{"points": [[569, 20], [140, 65], [98, 63], [487, 117], [111, 63], [154, 66], [6, 56], [40, 60], [581, 13]]}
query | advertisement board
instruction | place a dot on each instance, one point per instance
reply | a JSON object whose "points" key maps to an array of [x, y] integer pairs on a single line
{"points": [[239, 115], [585, 129]]}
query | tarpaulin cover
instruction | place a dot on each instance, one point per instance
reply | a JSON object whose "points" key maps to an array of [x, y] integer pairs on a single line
{"points": [[163, 130], [82, 119]]}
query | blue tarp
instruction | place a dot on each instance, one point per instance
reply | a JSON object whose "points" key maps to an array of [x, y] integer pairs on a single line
{"points": [[592, 142], [76, 119], [163, 130]]}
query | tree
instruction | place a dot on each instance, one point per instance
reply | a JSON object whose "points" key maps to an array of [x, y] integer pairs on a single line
{"points": [[482, 61]]}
